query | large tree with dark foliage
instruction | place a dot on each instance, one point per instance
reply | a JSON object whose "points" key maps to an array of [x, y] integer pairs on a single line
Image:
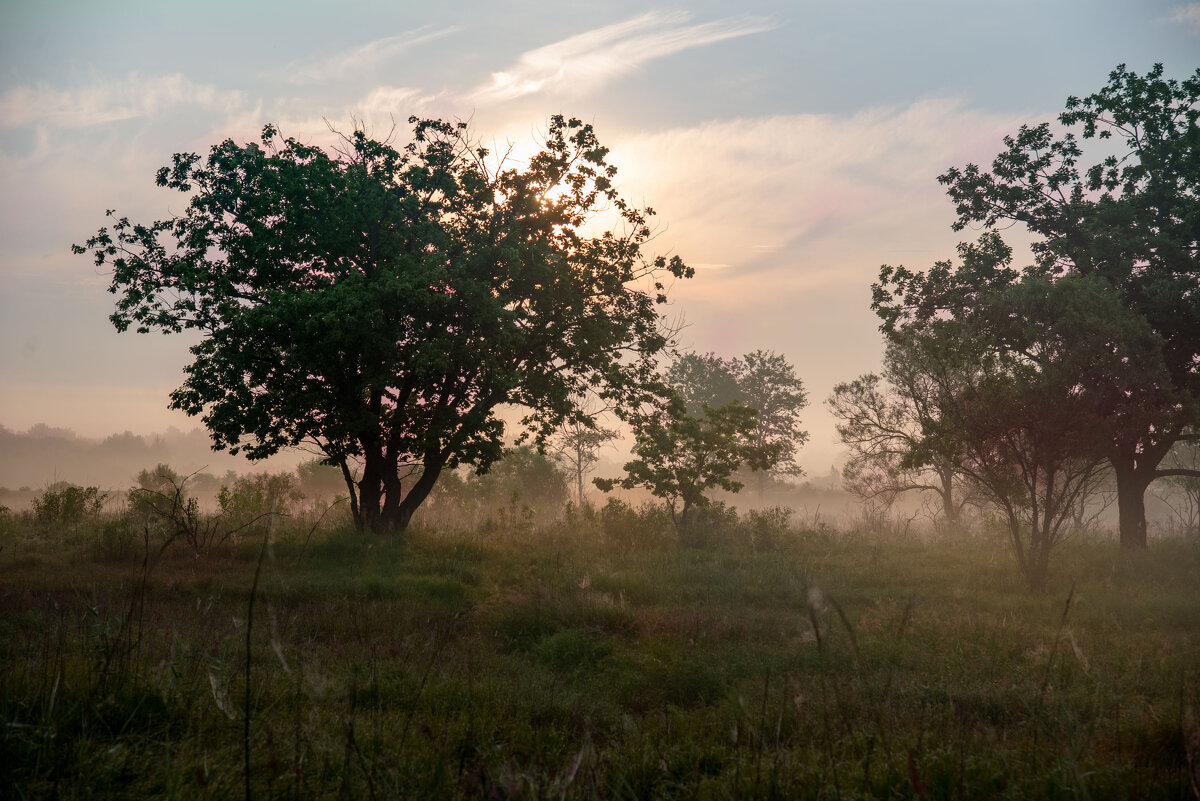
{"points": [[383, 304], [1026, 379], [1130, 218]]}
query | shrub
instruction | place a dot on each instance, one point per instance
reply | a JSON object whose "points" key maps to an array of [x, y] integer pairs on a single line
{"points": [[250, 503], [64, 504], [709, 525], [767, 529], [647, 526], [160, 505]]}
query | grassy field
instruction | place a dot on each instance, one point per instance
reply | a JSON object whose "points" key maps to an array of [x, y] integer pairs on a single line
{"points": [[574, 663]]}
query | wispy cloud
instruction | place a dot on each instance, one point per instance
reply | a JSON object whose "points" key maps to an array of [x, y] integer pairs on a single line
{"points": [[1188, 16], [585, 61], [106, 101], [363, 58]]}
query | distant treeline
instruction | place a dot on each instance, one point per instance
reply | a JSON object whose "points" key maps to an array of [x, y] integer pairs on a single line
{"points": [[44, 454]]}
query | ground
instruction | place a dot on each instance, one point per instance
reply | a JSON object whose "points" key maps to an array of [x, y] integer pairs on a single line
{"points": [[581, 661]]}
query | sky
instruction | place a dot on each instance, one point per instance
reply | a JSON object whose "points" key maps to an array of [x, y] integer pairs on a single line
{"points": [[789, 148]]}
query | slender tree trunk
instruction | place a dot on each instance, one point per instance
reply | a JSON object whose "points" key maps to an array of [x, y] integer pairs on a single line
{"points": [[949, 508], [399, 520], [353, 489]]}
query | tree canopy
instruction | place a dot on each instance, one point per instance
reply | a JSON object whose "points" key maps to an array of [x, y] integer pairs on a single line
{"points": [[382, 304], [1130, 218], [764, 381], [1026, 379], [679, 456]]}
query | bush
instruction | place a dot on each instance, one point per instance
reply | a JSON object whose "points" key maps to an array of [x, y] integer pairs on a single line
{"points": [[251, 503], [767, 529], [647, 526], [709, 525], [64, 504], [161, 507]]}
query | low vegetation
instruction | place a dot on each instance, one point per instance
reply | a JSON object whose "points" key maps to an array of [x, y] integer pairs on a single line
{"points": [[592, 655]]}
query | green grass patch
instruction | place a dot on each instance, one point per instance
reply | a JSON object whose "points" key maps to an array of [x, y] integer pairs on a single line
{"points": [[557, 665]]}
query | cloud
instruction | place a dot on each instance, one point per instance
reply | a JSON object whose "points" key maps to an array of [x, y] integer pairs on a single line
{"points": [[106, 101], [765, 191], [1188, 16], [583, 62], [357, 60]]}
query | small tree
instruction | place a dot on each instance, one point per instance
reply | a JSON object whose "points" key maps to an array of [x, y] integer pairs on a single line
{"points": [[762, 380], [884, 422], [67, 505], [681, 456], [576, 447], [256, 499], [1181, 491]]}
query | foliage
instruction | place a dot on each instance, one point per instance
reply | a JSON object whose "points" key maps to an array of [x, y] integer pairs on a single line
{"points": [[320, 480], [883, 421], [679, 457], [1030, 378], [384, 304], [764, 381], [163, 508], [523, 485], [576, 446], [256, 501], [1132, 220], [67, 505], [1182, 490]]}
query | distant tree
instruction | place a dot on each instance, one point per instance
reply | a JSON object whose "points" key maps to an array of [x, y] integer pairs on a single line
{"points": [[680, 456], [1131, 219], [384, 304], [1032, 377], [764, 381], [769, 385], [576, 446], [63, 504], [1182, 490], [318, 479], [884, 421], [704, 380], [522, 486]]}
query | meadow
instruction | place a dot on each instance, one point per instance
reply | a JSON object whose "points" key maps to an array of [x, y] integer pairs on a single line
{"points": [[594, 657]]}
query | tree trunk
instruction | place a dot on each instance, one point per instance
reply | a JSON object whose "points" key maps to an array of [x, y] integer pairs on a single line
{"points": [[1131, 500], [402, 516], [1131, 505]]}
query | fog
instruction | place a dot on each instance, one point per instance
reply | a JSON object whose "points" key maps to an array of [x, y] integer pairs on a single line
{"points": [[34, 459]]}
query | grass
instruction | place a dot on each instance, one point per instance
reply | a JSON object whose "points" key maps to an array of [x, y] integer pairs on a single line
{"points": [[555, 665]]}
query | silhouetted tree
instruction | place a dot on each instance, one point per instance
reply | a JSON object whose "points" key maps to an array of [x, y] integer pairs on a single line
{"points": [[884, 420], [1031, 379], [576, 446], [680, 456], [382, 304], [1131, 219]]}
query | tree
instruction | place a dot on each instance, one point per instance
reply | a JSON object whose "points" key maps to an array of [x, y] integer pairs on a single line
{"points": [[764, 381], [680, 456], [383, 304], [884, 422], [1031, 378], [576, 447], [1132, 219]]}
